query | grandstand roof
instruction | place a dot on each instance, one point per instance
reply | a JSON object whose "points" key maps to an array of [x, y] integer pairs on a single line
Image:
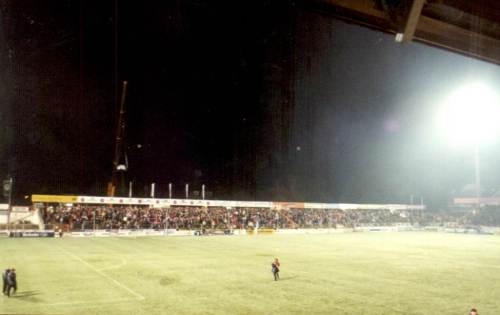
{"points": [[468, 27], [216, 203], [490, 201]]}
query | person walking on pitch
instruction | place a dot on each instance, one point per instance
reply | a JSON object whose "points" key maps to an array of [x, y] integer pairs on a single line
{"points": [[11, 281], [276, 269]]}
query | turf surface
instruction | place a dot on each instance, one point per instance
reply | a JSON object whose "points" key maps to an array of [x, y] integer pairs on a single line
{"points": [[356, 273]]}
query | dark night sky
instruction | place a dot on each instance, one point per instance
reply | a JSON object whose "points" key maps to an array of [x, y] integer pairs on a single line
{"points": [[264, 100]]}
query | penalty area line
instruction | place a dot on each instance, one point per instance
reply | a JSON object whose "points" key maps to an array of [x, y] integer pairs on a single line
{"points": [[117, 283]]}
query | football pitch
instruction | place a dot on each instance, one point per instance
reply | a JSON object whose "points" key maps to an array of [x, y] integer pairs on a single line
{"points": [[354, 273]]}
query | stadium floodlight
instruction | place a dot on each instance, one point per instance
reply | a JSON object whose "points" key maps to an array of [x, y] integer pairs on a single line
{"points": [[470, 115]]}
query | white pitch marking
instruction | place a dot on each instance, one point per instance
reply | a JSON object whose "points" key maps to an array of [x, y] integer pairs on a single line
{"points": [[123, 263], [121, 285], [88, 302]]}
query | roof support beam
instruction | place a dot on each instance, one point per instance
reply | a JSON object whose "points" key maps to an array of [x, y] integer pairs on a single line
{"points": [[429, 30], [412, 20], [451, 37]]}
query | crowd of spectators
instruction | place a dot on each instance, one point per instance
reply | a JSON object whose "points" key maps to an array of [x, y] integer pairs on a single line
{"points": [[486, 216], [87, 217], [314, 218]]}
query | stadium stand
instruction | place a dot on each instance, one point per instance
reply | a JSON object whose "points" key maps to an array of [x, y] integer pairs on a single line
{"points": [[87, 217], [83, 213], [20, 218]]}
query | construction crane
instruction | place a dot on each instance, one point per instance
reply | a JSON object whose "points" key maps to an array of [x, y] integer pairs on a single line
{"points": [[120, 161]]}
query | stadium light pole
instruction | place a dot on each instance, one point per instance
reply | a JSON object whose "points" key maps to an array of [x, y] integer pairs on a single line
{"points": [[469, 117], [477, 175]]}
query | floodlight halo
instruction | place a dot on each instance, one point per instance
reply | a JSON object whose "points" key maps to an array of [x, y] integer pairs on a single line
{"points": [[470, 115]]}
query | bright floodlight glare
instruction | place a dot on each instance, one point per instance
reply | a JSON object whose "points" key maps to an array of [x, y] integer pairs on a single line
{"points": [[471, 115]]}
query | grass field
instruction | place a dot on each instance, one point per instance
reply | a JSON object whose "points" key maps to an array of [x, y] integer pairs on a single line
{"points": [[357, 273]]}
